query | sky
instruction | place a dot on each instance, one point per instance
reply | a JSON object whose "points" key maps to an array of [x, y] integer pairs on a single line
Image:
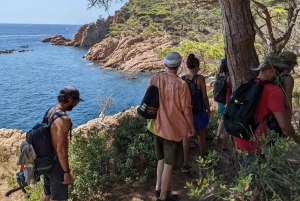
{"points": [[53, 11]]}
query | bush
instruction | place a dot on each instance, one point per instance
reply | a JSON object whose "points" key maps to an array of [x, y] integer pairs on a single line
{"points": [[134, 148], [100, 159], [272, 175], [90, 158]]}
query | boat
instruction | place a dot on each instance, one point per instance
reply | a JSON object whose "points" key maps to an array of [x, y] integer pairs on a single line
{"points": [[23, 46]]}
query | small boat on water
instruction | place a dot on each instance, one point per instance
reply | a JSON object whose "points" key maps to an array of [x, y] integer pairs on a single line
{"points": [[23, 46]]}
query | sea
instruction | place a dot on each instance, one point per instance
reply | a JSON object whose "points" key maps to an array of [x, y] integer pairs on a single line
{"points": [[30, 81]]}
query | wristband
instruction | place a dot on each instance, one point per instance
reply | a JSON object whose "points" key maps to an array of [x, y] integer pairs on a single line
{"points": [[67, 171]]}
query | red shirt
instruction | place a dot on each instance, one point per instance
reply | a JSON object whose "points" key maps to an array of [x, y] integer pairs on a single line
{"points": [[272, 100]]}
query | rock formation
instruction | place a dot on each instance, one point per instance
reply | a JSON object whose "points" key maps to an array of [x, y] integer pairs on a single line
{"points": [[134, 54], [87, 35]]}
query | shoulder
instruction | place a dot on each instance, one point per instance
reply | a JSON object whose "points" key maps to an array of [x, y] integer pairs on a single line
{"points": [[63, 120], [272, 90], [201, 77]]}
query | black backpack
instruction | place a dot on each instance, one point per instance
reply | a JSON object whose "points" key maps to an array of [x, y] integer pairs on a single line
{"points": [[150, 103], [193, 89], [40, 139], [239, 112], [220, 88]]}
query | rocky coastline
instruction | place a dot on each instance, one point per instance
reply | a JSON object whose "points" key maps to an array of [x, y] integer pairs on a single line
{"points": [[12, 138]]}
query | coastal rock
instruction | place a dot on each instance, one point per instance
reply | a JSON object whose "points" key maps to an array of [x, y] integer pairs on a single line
{"points": [[100, 51], [6, 51], [87, 35], [11, 138], [132, 54]]}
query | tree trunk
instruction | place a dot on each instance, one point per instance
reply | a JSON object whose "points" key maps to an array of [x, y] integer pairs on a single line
{"points": [[239, 36]]}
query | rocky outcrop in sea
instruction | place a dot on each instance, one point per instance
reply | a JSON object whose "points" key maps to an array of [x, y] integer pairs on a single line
{"points": [[87, 35]]}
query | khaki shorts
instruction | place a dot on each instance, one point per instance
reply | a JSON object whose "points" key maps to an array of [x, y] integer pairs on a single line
{"points": [[170, 151]]}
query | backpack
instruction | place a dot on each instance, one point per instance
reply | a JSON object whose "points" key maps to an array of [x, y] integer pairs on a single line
{"points": [[279, 79], [193, 89], [239, 112], [220, 88], [150, 103], [272, 122], [40, 139]]}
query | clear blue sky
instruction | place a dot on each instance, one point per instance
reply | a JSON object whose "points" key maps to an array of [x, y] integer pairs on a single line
{"points": [[52, 11]]}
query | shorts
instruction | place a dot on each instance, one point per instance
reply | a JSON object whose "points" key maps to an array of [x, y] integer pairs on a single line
{"points": [[221, 108], [170, 151], [52, 183]]}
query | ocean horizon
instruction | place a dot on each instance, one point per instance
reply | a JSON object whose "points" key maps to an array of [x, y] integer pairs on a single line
{"points": [[30, 81]]}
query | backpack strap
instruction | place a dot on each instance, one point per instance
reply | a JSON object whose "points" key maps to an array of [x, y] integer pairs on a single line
{"points": [[45, 119], [195, 78], [57, 115]]}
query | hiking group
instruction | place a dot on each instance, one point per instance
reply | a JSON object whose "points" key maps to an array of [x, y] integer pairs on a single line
{"points": [[183, 111], [176, 108]]}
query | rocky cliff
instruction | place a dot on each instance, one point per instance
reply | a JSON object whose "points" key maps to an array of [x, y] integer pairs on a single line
{"points": [[134, 54], [12, 138], [87, 35]]}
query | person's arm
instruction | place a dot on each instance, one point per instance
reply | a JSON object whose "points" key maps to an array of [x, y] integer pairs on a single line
{"points": [[204, 93], [189, 117], [288, 86], [63, 125], [185, 104], [286, 126]]}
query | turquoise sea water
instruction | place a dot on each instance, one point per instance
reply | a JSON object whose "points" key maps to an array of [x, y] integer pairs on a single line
{"points": [[30, 81]]}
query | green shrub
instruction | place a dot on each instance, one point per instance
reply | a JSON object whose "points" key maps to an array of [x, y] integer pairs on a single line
{"points": [[272, 175], [100, 159], [90, 158], [134, 150]]}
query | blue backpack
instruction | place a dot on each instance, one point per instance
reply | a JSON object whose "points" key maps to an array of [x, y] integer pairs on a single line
{"points": [[40, 139]]}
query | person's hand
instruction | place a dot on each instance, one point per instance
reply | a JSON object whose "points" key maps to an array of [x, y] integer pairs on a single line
{"points": [[193, 132], [67, 178]]}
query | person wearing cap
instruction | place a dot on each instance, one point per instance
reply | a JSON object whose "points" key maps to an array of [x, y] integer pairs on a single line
{"points": [[173, 122], [271, 100], [56, 183], [286, 82], [223, 72]]}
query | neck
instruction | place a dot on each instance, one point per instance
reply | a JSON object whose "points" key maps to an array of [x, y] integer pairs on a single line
{"points": [[170, 70], [61, 107], [265, 75]]}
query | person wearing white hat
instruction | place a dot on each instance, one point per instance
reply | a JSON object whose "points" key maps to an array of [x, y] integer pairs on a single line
{"points": [[173, 122]]}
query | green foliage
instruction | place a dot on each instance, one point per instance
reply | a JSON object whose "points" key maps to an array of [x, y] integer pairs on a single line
{"points": [[134, 147], [90, 158], [213, 124], [34, 190], [123, 153], [271, 175]]}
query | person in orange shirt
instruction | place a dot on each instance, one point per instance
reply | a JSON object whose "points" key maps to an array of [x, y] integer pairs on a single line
{"points": [[173, 122]]}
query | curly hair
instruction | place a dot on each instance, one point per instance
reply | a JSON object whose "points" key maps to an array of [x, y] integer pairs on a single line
{"points": [[62, 98], [192, 62]]}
